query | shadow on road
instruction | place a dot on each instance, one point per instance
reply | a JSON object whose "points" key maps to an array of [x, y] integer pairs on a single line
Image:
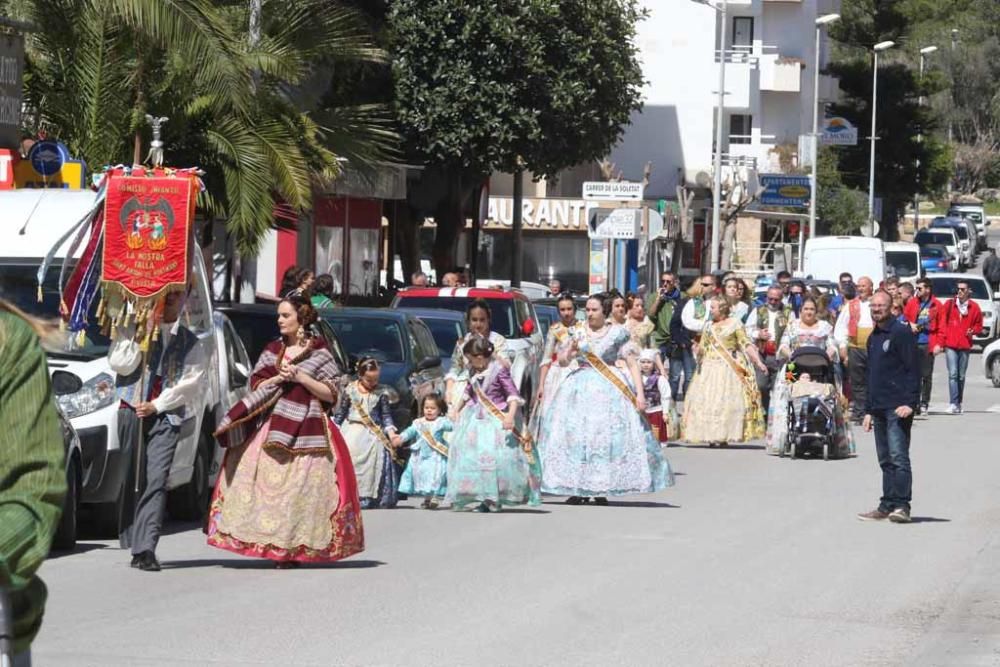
{"points": [[261, 564], [928, 519], [81, 548], [704, 445]]}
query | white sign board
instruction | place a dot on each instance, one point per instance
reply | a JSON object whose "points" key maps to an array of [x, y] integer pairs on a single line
{"points": [[620, 223], [838, 131], [612, 191]]}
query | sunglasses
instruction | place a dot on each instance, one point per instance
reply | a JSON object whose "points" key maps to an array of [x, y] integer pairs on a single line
{"points": [[708, 284], [667, 281], [962, 289]]}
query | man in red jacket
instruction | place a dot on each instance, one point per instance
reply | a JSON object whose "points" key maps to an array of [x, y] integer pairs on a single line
{"points": [[959, 319], [922, 313]]}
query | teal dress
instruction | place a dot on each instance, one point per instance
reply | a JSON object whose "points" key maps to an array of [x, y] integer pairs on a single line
{"points": [[426, 472], [487, 464]]}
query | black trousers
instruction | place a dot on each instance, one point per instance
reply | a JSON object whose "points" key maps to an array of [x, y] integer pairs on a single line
{"points": [[142, 513], [857, 368], [926, 374]]}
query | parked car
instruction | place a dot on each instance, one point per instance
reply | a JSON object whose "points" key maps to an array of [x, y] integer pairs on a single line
{"points": [[935, 259], [991, 362], [903, 259], [945, 236], [257, 325], [446, 327], [512, 315], [402, 343], [826, 257], [974, 212], [550, 302], [944, 288], [66, 531], [966, 238]]}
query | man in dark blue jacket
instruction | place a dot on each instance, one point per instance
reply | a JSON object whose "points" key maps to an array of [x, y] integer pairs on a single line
{"points": [[893, 397]]}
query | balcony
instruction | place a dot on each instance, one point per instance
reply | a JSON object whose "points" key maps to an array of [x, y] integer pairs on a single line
{"points": [[780, 74]]}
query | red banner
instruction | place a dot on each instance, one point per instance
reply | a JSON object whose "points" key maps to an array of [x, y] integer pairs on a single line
{"points": [[147, 232]]}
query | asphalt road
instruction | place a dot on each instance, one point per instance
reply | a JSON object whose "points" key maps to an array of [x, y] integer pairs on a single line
{"points": [[748, 560]]}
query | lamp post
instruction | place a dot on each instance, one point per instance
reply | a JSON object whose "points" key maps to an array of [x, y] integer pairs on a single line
{"points": [[881, 46], [951, 115], [719, 116], [924, 52], [820, 22]]}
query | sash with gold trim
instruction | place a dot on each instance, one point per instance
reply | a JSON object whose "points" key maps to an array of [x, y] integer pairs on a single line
{"points": [[615, 379], [433, 442], [526, 443], [748, 381], [370, 424]]}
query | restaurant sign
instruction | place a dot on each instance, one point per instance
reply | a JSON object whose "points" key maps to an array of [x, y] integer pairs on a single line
{"points": [[550, 214]]}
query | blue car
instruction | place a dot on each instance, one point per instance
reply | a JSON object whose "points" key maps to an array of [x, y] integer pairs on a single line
{"points": [[403, 345], [935, 258]]}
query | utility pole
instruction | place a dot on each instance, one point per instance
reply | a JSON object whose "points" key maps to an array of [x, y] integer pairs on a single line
{"points": [[881, 46], [924, 52], [951, 114], [517, 229], [820, 22]]}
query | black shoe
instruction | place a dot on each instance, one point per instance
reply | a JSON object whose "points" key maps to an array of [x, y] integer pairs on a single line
{"points": [[600, 501], [574, 500], [136, 559], [924, 409], [148, 562]]}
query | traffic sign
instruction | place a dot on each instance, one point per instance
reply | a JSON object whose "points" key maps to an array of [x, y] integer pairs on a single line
{"points": [[612, 191], [782, 190], [619, 223]]}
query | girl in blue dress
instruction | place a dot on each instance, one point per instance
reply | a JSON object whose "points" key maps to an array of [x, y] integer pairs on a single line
{"points": [[491, 461], [426, 472]]}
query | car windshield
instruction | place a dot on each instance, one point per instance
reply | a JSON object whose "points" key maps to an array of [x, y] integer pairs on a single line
{"points": [[503, 320], [930, 251], [947, 287], [960, 230], [904, 262], [19, 286], [445, 332], [937, 238], [377, 338]]}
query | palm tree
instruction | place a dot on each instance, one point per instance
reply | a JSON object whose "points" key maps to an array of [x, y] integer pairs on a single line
{"points": [[236, 95]]}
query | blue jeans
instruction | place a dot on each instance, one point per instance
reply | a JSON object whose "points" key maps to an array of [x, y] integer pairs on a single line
{"points": [[958, 361], [892, 443], [681, 361]]}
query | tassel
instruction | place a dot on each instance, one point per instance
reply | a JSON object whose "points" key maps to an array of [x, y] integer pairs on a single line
{"points": [[41, 297], [81, 337]]}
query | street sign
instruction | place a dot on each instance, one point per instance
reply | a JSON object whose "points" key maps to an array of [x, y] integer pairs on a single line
{"points": [[612, 191], [782, 190], [619, 223], [838, 131], [11, 70]]}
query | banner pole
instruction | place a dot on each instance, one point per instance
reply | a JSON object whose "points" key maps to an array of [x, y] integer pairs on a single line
{"points": [[142, 432]]}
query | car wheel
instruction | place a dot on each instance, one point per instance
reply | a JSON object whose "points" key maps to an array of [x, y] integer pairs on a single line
{"points": [[995, 370], [190, 502], [65, 537]]}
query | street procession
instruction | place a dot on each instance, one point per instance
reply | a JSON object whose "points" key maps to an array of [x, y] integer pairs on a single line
{"points": [[570, 333]]}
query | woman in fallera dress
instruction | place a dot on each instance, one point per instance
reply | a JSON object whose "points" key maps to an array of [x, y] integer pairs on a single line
{"points": [[551, 373], [366, 420], [594, 439], [723, 403], [478, 321], [491, 461], [287, 490]]}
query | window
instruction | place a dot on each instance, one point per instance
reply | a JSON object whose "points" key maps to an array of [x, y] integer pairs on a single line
{"points": [[740, 128], [742, 33]]}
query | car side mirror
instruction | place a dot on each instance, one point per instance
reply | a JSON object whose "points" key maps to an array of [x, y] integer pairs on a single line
{"points": [[996, 296], [239, 376], [528, 327], [428, 363], [65, 383]]}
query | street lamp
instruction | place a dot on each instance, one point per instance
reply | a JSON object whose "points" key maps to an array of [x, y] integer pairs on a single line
{"points": [[951, 114], [824, 20], [720, 113], [881, 46], [924, 52]]}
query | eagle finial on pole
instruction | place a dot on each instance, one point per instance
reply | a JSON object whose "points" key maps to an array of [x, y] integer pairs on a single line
{"points": [[155, 157]]}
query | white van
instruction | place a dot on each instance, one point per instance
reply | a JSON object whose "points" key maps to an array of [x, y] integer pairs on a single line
{"points": [[903, 261], [826, 257], [32, 223]]}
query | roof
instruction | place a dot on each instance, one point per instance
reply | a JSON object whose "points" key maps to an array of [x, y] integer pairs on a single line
{"points": [[462, 292], [365, 313], [34, 220], [955, 276], [436, 313]]}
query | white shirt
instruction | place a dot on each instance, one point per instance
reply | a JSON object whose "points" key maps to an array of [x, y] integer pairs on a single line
{"points": [[864, 322], [692, 323], [124, 356]]}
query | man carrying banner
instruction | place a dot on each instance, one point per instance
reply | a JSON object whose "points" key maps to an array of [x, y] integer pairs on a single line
{"points": [[154, 396]]}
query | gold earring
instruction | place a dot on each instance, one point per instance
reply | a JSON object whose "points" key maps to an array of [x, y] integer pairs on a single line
{"points": [[300, 335]]}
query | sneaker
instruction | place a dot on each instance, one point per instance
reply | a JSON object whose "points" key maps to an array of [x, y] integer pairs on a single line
{"points": [[875, 515], [954, 409], [924, 409], [899, 515], [958, 409]]}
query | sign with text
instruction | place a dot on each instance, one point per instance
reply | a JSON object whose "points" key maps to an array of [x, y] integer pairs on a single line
{"points": [[838, 131], [619, 223], [147, 233], [8, 159], [549, 214], [49, 165], [11, 73], [782, 190], [612, 191]]}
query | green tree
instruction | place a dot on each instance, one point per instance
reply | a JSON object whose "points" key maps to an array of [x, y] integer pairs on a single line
{"points": [[904, 165], [236, 101], [839, 209], [501, 85]]}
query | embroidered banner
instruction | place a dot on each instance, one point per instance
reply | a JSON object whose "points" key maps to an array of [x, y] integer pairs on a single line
{"points": [[148, 230]]}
